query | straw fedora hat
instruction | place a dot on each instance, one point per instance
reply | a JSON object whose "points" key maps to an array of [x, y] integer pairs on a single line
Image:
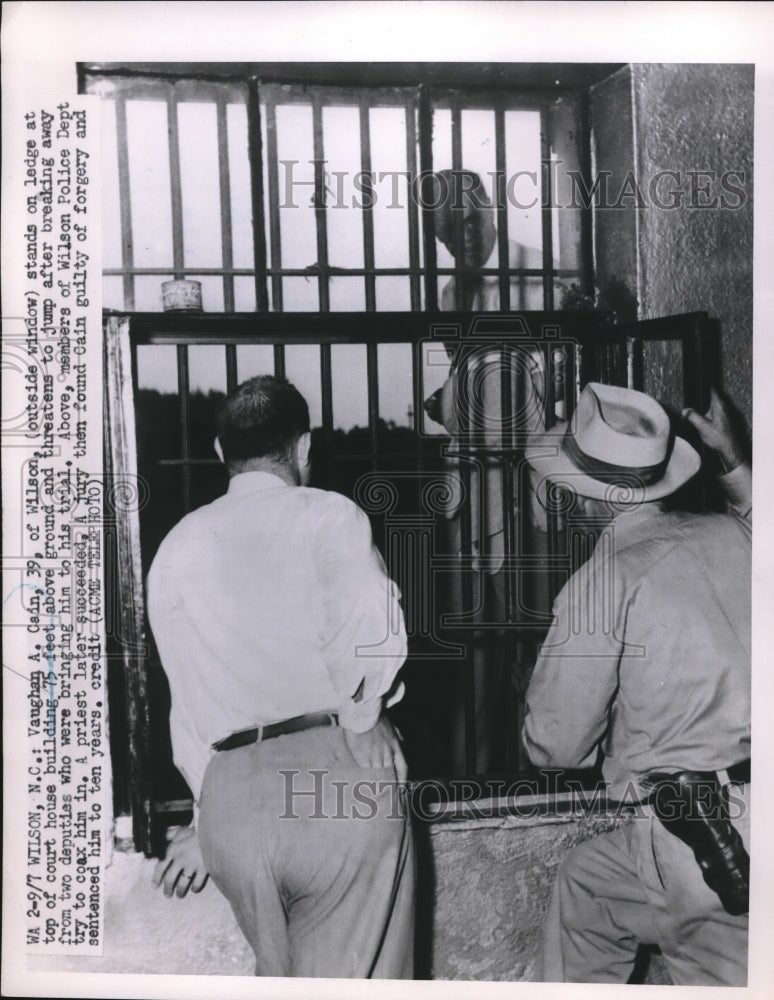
{"points": [[618, 445]]}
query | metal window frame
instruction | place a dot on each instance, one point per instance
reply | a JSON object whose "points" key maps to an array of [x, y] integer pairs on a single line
{"points": [[172, 92], [603, 352], [270, 96], [262, 99]]}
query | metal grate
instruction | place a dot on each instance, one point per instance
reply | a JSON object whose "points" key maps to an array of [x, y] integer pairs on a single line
{"points": [[240, 128], [577, 348]]}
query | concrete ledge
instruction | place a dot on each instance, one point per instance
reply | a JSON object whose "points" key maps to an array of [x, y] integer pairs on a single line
{"points": [[491, 883], [486, 869]]}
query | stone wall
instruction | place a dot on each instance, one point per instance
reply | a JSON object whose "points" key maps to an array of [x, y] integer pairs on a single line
{"points": [[656, 260]]}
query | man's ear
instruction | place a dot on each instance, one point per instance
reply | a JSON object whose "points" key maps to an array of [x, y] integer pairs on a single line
{"points": [[303, 447], [219, 450]]}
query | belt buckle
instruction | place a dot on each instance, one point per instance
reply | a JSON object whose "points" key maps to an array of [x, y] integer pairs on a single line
{"points": [[259, 732]]}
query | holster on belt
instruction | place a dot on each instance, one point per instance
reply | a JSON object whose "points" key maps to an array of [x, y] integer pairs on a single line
{"points": [[692, 807]]}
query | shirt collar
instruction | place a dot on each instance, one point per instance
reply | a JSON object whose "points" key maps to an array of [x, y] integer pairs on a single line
{"points": [[253, 481], [628, 525]]}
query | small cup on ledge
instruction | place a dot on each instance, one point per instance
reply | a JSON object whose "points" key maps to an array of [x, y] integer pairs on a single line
{"points": [[181, 296]]}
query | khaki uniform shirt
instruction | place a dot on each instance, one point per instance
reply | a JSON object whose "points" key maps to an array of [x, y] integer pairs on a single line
{"points": [[649, 653]]}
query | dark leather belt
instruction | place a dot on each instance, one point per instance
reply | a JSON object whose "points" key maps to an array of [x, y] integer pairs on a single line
{"points": [[738, 772], [694, 807], [244, 737]]}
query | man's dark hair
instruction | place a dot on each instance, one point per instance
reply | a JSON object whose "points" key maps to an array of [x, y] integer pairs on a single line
{"points": [[456, 192], [261, 418]]}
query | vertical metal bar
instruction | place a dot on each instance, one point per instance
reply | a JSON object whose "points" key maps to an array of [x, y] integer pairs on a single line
{"points": [[373, 402], [571, 388], [515, 754], [226, 241], [559, 378], [255, 156], [417, 386], [588, 367], [554, 518], [231, 367], [699, 372], [124, 190], [586, 219], [506, 477], [549, 399], [121, 460], [513, 544], [458, 217], [546, 211], [468, 672], [135, 381], [554, 550], [368, 211], [473, 659], [274, 220], [635, 375], [326, 386], [184, 411], [178, 253], [501, 208], [417, 396], [320, 212], [696, 356], [428, 221], [413, 215], [279, 360]]}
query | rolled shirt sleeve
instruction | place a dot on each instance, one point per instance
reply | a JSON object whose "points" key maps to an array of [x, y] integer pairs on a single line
{"points": [[361, 623], [737, 485]]}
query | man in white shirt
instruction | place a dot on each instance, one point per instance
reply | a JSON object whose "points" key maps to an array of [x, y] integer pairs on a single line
{"points": [[461, 202], [460, 199], [281, 636], [459, 196]]}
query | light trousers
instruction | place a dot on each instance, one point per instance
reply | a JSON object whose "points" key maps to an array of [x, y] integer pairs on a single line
{"points": [[315, 856], [637, 885]]}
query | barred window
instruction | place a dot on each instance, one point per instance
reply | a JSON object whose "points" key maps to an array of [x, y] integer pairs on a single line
{"points": [[309, 198], [301, 205]]}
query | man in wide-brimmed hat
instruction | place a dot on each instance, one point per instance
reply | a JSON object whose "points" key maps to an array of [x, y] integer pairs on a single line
{"points": [[647, 666]]}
